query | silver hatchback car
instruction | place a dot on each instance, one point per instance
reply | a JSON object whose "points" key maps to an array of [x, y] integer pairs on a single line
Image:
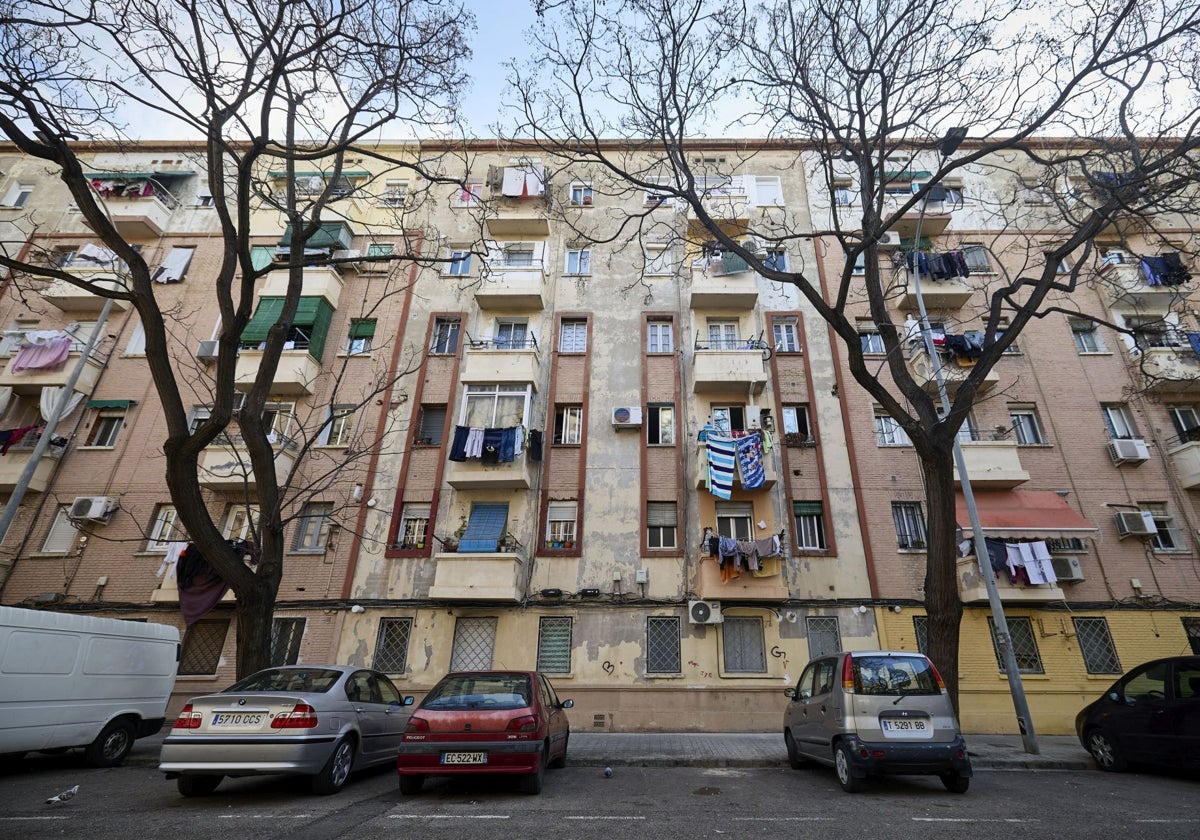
{"points": [[869, 713]]}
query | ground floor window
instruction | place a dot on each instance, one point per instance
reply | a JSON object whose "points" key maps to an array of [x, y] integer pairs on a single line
{"points": [[391, 645], [286, 634], [662, 645], [474, 641], [742, 644], [554, 644], [1096, 645], [824, 637], [1024, 645], [202, 644]]}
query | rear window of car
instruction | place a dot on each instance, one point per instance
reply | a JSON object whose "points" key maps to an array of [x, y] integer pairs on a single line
{"points": [[307, 680], [894, 675], [459, 693]]}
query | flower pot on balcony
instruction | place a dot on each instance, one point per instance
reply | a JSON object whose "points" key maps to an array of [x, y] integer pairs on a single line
{"points": [[558, 544], [568, 544]]}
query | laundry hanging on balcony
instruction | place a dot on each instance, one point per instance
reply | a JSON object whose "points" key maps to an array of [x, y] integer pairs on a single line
{"points": [[200, 587], [11, 437], [489, 446], [722, 454], [1025, 562], [42, 356], [750, 462], [1164, 270], [939, 266]]}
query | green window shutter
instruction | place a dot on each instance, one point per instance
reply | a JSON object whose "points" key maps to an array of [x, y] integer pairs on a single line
{"points": [[333, 235], [265, 317], [261, 256], [807, 508], [321, 319], [362, 328]]}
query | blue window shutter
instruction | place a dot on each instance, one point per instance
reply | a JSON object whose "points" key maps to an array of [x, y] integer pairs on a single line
{"points": [[484, 528]]}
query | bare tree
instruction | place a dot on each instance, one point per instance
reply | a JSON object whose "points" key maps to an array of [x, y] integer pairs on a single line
{"points": [[267, 90], [1093, 93]]}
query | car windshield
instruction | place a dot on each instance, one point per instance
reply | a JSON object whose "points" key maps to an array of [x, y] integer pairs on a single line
{"points": [[479, 691], [894, 675], [307, 680]]}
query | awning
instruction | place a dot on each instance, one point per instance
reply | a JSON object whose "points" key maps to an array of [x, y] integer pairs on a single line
{"points": [[346, 173], [1023, 513], [109, 403]]}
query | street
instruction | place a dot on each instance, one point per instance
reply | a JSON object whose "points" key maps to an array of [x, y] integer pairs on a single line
{"points": [[135, 801]]}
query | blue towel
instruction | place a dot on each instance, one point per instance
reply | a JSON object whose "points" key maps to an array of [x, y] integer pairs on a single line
{"points": [[1194, 340], [750, 459], [721, 464]]}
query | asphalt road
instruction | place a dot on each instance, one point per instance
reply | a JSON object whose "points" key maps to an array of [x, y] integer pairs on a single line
{"points": [[135, 802]]}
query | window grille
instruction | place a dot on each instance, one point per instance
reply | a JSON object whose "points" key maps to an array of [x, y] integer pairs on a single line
{"points": [[286, 634], [662, 645], [744, 649], [910, 524], [921, 633], [1096, 645], [474, 639], [391, 645], [1024, 645], [554, 645], [1191, 626], [824, 637], [202, 646]]}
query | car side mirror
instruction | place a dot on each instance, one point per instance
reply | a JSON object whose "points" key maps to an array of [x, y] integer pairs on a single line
{"points": [[408, 700], [567, 704], [790, 692]]}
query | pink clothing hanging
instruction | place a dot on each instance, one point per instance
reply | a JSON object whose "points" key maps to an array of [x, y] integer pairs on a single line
{"points": [[42, 357]]}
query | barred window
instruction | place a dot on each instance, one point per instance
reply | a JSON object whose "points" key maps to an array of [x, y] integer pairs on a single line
{"points": [[391, 645], [824, 637], [810, 526], [1191, 626], [1024, 645], [1096, 645], [286, 634], [910, 524], [554, 645], [743, 645], [921, 632], [662, 645], [474, 639], [202, 644]]}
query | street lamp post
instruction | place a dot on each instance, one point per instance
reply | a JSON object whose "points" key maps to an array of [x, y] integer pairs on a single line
{"points": [[950, 143]]}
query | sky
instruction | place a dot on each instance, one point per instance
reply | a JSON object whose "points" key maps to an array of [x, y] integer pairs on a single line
{"points": [[500, 38]]}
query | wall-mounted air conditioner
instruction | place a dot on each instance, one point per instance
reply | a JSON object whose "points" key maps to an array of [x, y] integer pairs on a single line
{"points": [[627, 417], [1128, 451], [755, 246], [705, 612], [348, 255], [207, 351], [1136, 523], [92, 508], [889, 241], [1067, 568]]}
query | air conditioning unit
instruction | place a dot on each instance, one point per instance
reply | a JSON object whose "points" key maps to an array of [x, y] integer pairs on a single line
{"points": [[889, 241], [1067, 568], [1136, 523], [92, 508], [705, 612], [207, 351], [347, 255], [755, 246], [627, 417], [1128, 451]]}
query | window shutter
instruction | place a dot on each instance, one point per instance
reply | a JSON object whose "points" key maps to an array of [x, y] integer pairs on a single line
{"points": [[735, 509], [362, 328], [485, 528], [265, 317], [807, 508], [660, 514]]}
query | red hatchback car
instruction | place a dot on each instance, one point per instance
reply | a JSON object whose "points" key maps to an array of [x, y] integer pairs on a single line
{"points": [[485, 722]]}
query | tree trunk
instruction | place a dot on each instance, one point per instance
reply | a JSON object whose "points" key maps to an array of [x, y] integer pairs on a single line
{"points": [[255, 614], [943, 604]]}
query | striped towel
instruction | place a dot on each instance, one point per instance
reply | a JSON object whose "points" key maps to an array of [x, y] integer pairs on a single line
{"points": [[750, 459], [721, 465]]}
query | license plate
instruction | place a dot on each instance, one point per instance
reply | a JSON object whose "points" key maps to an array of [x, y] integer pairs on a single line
{"points": [[237, 720], [464, 758], [906, 728]]}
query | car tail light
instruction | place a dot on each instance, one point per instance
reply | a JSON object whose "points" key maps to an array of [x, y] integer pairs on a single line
{"points": [[937, 676], [848, 674], [416, 724], [302, 716], [525, 723], [188, 718]]}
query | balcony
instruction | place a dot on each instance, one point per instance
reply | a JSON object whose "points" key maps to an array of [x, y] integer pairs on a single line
{"points": [[938, 215], [736, 366], [69, 298], [460, 576], [746, 587], [1168, 365], [723, 282], [14, 463], [699, 468], [1185, 458], [973, 590], [512, 287], [501, 360], [1124, 284], [296, 375], [938, 294], [318, 282], [993, 464], [518, 217], [30, 383], [139, 210], [225, 464], [519, 474], [954, 375]]}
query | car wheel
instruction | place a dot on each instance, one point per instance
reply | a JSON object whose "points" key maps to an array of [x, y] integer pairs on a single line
{"points": [[561, 761], [1104, 750], [411, 785], [335, 772], [796, 760], [842, 762], [197, 785], [112, 744], [955, 782], [532, 784]]}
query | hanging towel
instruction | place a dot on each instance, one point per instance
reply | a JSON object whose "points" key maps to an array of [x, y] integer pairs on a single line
{"points": [[514, 182], [174, 550], [1194, 340], [1041, 556], [458, 447], [492, 441], [750, 460], [1015, 560], [721, 465], [474, 443], [40, 357], [508, 445]]}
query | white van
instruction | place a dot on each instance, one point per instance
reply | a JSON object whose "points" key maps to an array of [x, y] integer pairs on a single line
{"points": [[79, 681]]}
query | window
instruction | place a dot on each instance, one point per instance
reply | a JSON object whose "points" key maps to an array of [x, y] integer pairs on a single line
{"points": [[843, 194], [860, 263], [414, 526], [517, 255], [810, 526], [1001, 328], [662, 645], [1096, 645], [339, 431], [977, 258], [511, 334], [1087, 336], [460, 264], [309, 328], [165, 529], [174, 266], [1168, 537], [581, 194], [362, 334], [312, 531], [136, 346], [660, 338], [659, 197], [743, 646], [1024, 645], [286, 634], [727, 419], [579, 261], [787, 339], [204, 196], [723, 335], [469, 195], [395, 193], [200, 652], [1191, 628], [660, 424], [1025, 425], [734, 520], [910, 525], [568, 424], [554, 645], [1063, 267], [560, 523], [391, 645], [61, 537], [241, 522], [277, 419], [572, 336], [661, 521], [824, 636], [768, 190], [1119, 421], [431, 425], [498, 406], [17, 195], [870, 338], [659, 260], [106, 427], [379, 250], [474, 639], [776, 259], [921, 633], [888, 431], [445, 336], [796, 429]]}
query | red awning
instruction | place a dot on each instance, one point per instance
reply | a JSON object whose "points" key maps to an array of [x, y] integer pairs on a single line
{"points": [[1032, 513]]}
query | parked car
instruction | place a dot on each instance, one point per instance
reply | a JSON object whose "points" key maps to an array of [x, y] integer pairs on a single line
{"points": [[483, 722], [323, 721], [869, 713], [1151, 715]]}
